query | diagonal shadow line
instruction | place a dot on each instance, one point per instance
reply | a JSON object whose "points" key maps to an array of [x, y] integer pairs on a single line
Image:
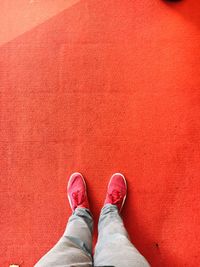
{"points": [[73, 5]]}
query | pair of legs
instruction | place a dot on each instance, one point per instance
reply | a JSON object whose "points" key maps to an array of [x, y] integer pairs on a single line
{"points": [[113, 248]]}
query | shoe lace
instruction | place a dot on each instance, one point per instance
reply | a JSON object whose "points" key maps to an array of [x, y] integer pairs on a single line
{"points": [[76, 197], [115, 196]]}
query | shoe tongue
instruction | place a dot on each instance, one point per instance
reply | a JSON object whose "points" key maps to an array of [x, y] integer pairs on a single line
{"points": [[77, 197], [116, 196]]}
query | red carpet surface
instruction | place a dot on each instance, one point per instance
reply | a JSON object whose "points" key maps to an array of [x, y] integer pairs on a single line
{"points": [[100, 87]]}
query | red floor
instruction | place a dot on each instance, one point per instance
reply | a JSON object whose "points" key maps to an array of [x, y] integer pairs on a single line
{"points": [[99, 87]]}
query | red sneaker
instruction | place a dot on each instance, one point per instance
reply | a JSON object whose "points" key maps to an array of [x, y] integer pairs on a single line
{"points": [[77, 192], [117, 191]]}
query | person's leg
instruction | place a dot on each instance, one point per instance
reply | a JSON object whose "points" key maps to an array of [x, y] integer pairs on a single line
{"points": [[75, 246], [114, 247]]}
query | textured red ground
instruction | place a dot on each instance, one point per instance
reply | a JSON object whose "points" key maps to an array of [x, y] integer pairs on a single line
{"points": [[99, 87]]}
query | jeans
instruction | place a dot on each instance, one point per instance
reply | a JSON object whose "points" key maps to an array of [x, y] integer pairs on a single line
{"points": [[113, 248]]}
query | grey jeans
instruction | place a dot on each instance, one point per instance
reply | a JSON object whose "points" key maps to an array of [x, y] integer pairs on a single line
{"points": [[113, 248]]}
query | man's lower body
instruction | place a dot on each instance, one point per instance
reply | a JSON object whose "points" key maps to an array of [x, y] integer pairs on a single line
{"points": [[75, 246], [113, 247]]}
